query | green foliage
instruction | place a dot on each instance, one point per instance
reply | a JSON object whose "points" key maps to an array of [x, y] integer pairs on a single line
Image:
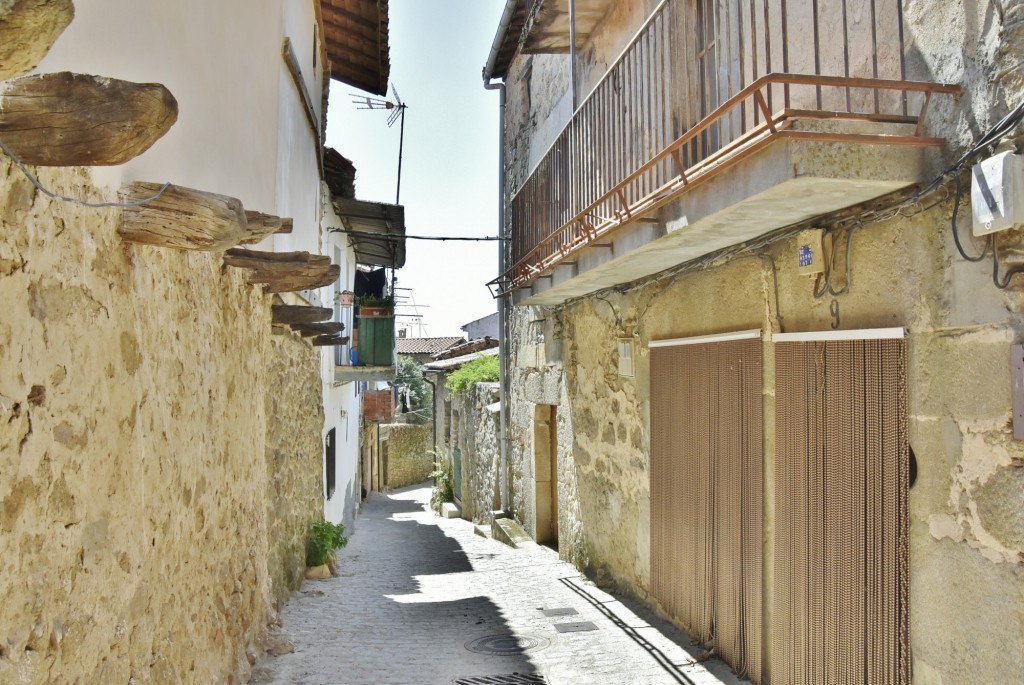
{"points": [[374, 301], [444, 487], [413, 389], [323, 538], [481, 370]]}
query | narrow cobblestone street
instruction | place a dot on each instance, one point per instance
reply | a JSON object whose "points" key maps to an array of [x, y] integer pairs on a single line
{"points": [[421, 600]]}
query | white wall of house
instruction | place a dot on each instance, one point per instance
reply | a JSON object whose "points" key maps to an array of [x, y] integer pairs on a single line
{"points": [[222, 63], [242, 131], [341, 402]]}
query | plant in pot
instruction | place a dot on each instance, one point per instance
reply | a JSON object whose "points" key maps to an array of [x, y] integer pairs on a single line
{"points": [[322, 540], [344, 298], [374, 306]]}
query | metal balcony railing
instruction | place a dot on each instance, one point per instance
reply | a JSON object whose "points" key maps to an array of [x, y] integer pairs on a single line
{"points": [[685, 101]]}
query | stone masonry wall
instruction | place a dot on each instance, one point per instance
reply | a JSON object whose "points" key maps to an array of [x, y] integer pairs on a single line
{"points": [[477, 439], [409, 458], [294, 458], [134, 536], [967, 525]]}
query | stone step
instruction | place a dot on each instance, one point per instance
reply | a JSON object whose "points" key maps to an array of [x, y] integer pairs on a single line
{"points": [[450, 510], [509, 531]]}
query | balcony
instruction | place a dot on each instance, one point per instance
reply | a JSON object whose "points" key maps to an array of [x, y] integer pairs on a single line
{"points": [[372, 355], [685, 147]]}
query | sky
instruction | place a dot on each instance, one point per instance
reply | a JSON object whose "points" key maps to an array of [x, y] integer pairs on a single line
{"points": [[449, 158]]}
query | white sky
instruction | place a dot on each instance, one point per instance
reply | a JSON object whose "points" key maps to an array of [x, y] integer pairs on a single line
{"points": [[449, 161]]}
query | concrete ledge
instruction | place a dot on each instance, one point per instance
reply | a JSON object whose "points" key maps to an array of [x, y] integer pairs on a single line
{"points": [[349, 374], [509, 531], [451, 511], [787, 182]]}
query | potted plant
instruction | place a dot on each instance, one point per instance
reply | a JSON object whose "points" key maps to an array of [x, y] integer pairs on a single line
{"points": [[344, 298], [372, 306], [322, 540]]}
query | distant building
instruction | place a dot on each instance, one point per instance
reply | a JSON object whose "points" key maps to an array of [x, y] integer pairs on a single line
{"points": [[482, 328], [424, 349]]}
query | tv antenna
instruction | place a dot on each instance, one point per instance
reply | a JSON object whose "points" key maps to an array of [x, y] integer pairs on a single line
{"points": [[397, 108]]}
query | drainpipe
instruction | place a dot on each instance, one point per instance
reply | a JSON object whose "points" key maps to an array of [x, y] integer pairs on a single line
{"points": [[572, 52], [433, 412], [503, 311]]}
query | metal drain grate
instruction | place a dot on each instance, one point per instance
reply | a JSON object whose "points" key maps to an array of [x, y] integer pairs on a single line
{"points": [[506, 679], [578, 627], [507, 644], [559, 612]]}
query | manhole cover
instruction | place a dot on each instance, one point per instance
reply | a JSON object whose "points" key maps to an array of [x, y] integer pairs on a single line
{"points": [[559, 612], [506, 644], [580, 627], [506, 679]]}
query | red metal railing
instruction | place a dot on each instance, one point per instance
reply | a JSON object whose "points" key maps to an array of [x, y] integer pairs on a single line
{"points": [[674, 110]]}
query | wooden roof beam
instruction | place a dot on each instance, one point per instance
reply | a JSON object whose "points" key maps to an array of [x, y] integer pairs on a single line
{"points": [[331, 12]]}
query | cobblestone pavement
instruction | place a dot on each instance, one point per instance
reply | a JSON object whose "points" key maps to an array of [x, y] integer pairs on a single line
{"points": [[414, 592]]}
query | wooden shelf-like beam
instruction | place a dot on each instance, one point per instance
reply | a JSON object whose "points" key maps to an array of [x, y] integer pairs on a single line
{"points": [[329, 340], [182, 218], [323, 328], [262, 225], [285, 271], [28, 29], [291, 314], [68, 119]]}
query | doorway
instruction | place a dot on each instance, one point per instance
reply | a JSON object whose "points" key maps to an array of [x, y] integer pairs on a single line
{"points": [[545, 474]]}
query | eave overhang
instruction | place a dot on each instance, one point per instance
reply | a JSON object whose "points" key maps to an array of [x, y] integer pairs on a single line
{"points": [[356, 41], [547, 26], [376, 231], [540, 27]]}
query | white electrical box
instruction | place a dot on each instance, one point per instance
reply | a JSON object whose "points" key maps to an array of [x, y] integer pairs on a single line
{"points": [[997, 193], [626, 367]]}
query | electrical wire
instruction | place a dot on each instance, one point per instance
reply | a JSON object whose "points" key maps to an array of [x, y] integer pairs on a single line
{"points": [[73, 200], [1002, 283], [397, 237], [953, 225]]}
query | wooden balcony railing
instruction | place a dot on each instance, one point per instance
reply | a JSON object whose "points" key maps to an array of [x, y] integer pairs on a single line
{"points": [[684, 102]]}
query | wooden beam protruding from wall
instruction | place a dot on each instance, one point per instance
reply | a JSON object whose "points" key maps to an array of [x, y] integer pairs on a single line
{"points": [[28, 29], [329, 340], [68, 119], [285, 271], [262, 225], [181, 218], [293, 313], [323, 328]]}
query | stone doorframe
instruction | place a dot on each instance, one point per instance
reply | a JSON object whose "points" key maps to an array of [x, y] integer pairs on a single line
{"points": [[545, 474]]}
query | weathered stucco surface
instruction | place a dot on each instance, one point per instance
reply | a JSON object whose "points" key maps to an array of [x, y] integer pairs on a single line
{"points": [[137, 452], [966, 525]]}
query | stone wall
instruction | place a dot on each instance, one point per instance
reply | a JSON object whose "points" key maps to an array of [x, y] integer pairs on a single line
{"points": [[475, 433], [294, 458], [967, 525], [133, 443], [408, 453]]}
